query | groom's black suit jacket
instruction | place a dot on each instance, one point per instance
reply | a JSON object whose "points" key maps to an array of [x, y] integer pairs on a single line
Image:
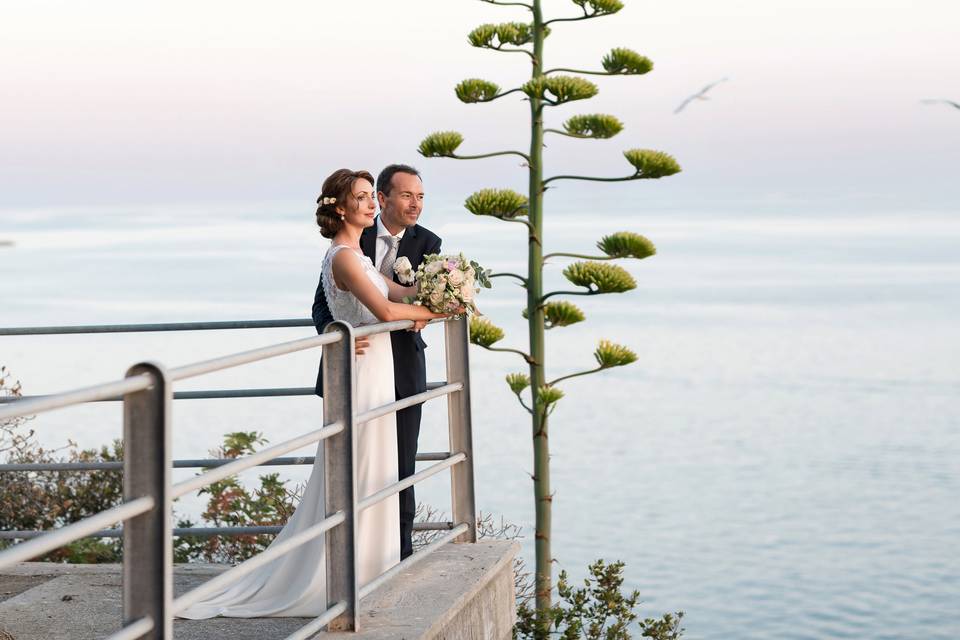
{"points": [[409, 368]]}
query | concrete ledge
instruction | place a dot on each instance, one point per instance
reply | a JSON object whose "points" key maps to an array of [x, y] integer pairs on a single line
{"points": [[460, 592]]}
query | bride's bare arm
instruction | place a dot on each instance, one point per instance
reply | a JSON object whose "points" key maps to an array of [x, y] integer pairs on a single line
{"points": [[349, 273], [397, 291]]}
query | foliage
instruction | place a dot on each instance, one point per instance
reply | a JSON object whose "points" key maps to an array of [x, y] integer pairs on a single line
{"points": [[232, 505], [597, 611], [10, 439], [39, 500]]}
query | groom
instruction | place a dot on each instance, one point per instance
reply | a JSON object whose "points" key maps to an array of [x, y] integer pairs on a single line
{"points": [[396, 234]]}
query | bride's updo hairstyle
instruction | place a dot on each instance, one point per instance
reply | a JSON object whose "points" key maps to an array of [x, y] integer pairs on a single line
{"points": [[337, 191]]}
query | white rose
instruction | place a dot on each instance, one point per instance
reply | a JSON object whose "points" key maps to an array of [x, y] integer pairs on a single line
{"points": [[434, 267], [455, 277], [436, 297], [404, 270], [467, 294]]}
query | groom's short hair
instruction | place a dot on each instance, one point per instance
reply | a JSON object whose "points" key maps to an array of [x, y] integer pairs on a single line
{"points": [[385, 179]]}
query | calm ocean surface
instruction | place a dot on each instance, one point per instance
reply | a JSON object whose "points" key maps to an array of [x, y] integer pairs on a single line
{"points": [[782, 462]]}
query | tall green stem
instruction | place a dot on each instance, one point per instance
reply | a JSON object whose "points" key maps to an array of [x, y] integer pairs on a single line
{"points": [[541, 444]]}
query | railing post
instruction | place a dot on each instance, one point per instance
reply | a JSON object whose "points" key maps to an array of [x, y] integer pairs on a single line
{"points": [[340, 480], [463, 499], [147, 538]]}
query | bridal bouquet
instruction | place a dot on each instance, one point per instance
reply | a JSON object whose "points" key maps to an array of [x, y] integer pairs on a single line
{"points": [[445, 283]]}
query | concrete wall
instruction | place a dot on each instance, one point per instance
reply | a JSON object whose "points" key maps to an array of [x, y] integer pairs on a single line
{"points": [[462, 591]]}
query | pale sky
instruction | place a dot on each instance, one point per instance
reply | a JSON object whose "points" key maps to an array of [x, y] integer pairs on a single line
{"points": [[130, 103]]}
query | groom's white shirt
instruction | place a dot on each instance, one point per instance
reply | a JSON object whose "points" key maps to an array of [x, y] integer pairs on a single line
{"points": [[383, 244]]}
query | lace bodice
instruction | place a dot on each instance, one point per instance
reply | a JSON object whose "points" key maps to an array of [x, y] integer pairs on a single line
{"points": [[343, 304]]}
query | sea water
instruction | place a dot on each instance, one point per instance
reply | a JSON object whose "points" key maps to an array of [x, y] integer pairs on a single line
{"points": [[783, 460]]}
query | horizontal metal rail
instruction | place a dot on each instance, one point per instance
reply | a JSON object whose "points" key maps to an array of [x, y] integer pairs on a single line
{"points": [[63, 536], [199, 463], [308, 630], [34, 406], [409, 401], [208, 394], [409, 481], [204, 532], [135, 630], [157, 326], [189, 326], [275, 551], [253, 355], [253, 460], [369, 588]]}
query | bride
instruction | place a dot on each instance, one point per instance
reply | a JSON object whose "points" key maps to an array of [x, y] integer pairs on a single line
{"points": [[295, 584]]}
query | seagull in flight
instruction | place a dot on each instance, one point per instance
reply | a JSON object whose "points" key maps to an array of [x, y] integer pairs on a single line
{"points": [[953, 104], [700, 95]]}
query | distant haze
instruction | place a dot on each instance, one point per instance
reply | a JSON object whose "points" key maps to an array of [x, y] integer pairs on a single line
{"points": [[120, 103]]}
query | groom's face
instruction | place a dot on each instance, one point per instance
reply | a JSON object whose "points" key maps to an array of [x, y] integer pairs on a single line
{"points": [[402, 207]]}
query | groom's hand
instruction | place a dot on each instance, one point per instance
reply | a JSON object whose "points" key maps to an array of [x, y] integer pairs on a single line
{"points": [[360, 345], [418, 325]]}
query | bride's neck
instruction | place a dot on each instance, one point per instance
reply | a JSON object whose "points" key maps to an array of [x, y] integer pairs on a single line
{"points": [[349, 235]]}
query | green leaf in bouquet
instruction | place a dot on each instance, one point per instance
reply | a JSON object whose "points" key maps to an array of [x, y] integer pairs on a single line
{"points": [[626, 244], [481, 275], [609, 354], [518, 382], [652, 164], [626, 62], [440, 144], [600, 277], [483, 332]]}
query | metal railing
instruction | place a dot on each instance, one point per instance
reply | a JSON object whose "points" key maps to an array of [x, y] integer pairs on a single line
{"points": [[148, 491]]}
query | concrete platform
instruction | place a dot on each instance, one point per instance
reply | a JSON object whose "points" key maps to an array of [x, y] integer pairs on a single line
{"points": [[461, 592]]}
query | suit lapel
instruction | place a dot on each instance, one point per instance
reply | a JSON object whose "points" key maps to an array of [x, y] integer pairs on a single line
{"points": [[368, 243], [409, 247]]}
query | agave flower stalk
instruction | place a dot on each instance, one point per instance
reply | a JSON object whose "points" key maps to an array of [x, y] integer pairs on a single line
{"points": [[593, 274]]}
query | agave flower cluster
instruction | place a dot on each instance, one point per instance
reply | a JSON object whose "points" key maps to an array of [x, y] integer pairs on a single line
{"points": [[448, 283]]}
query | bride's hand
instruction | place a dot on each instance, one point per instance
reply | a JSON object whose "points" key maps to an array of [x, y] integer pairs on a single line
{"points": [[418, 325]]}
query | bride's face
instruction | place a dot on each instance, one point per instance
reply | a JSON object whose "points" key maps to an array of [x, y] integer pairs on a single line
{"points": [[361, 207]]}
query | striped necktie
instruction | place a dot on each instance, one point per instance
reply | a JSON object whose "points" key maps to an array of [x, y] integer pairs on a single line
{"points": [[386, 267]]}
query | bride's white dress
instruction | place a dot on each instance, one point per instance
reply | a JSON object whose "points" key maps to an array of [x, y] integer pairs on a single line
{"points": [[295, 584]]}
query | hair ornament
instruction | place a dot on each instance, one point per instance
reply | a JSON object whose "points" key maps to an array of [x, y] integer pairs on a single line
{"points": [[327, 200]]}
